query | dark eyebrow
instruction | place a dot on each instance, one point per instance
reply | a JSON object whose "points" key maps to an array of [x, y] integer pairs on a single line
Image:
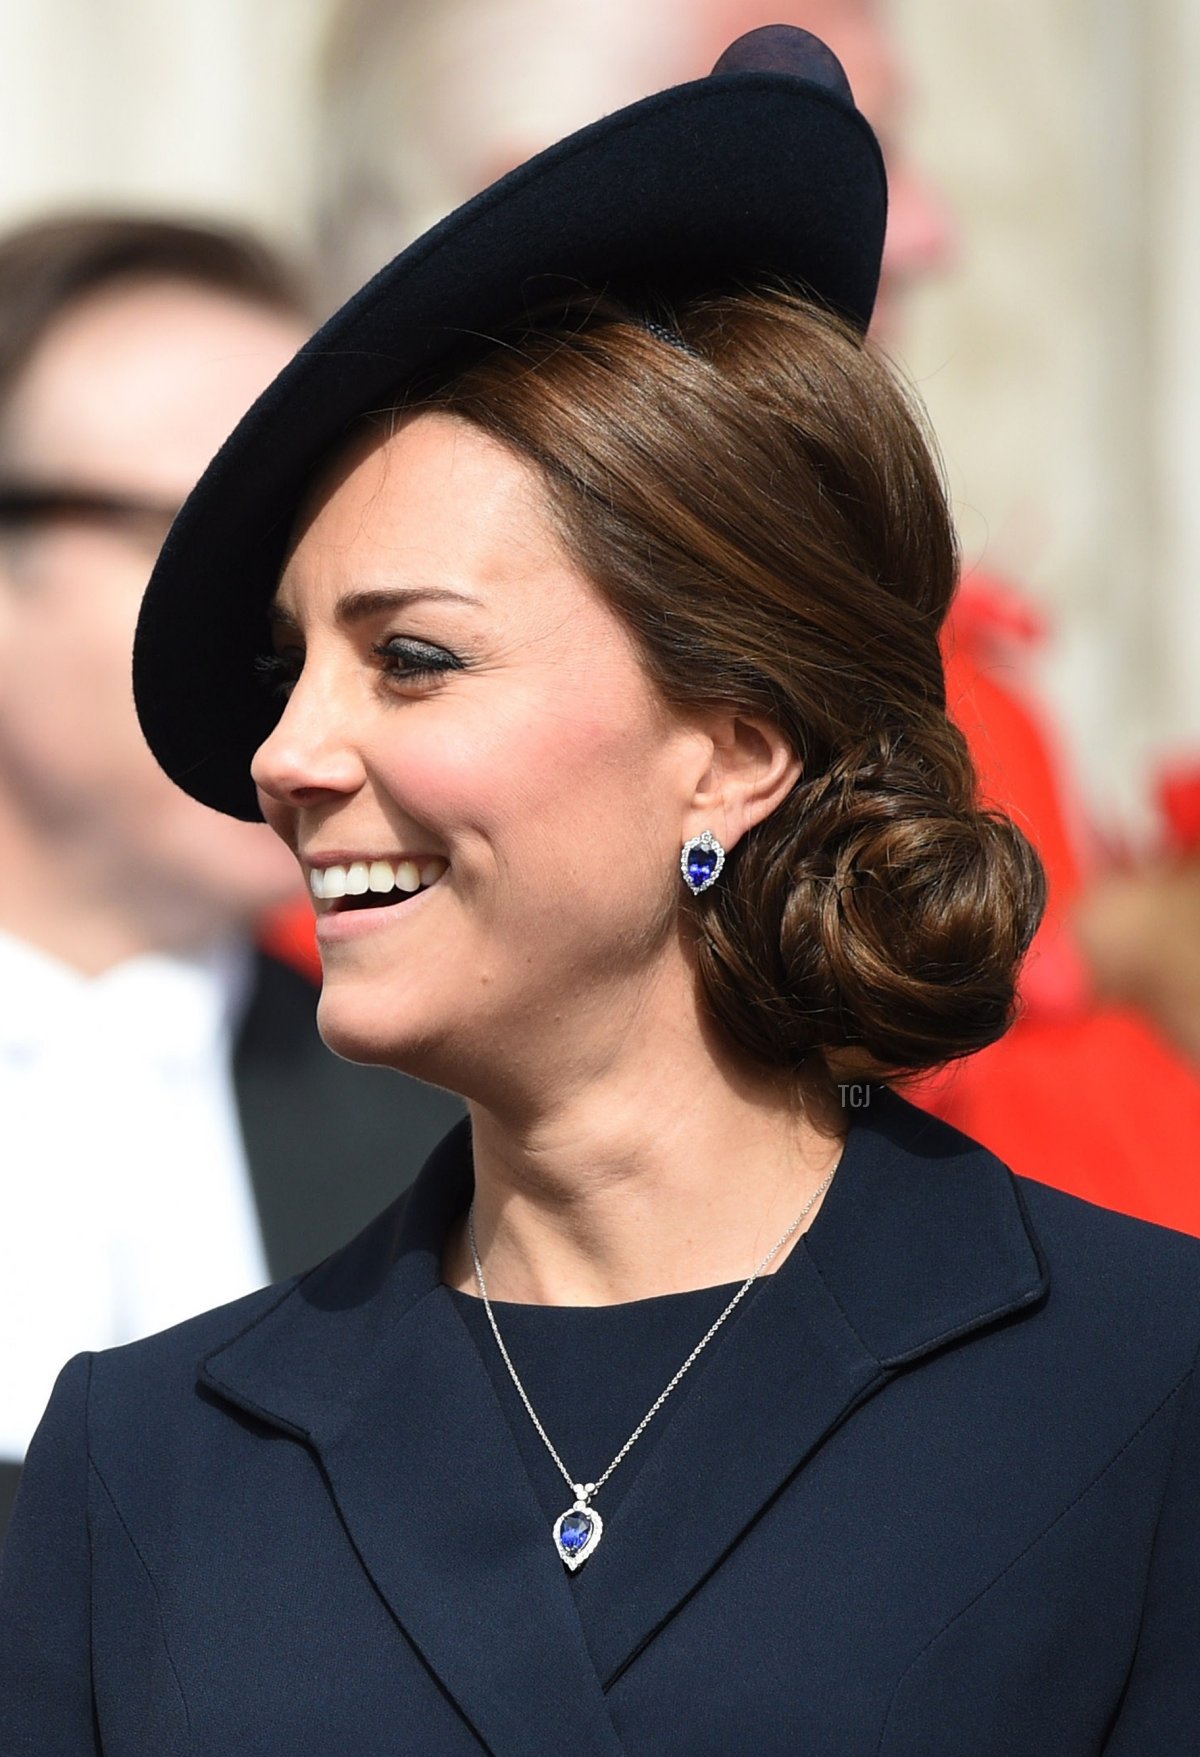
{"points": [[358, 606]]}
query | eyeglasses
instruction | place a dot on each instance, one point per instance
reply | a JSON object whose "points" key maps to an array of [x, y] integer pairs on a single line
{"points": [[29, 505]]}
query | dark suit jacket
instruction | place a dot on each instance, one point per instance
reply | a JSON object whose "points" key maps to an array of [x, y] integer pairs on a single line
{"points": [[328, 1143], [934, 1492]]}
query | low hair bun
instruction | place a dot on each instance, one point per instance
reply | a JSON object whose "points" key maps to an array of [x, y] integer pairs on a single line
{"points": [[880, 908]]}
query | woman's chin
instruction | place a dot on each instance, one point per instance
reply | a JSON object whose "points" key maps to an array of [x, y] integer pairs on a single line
{"points": [[361, 1033]]}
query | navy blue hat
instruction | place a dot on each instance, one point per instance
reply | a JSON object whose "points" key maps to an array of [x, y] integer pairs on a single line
{"points": [[764, 170]]}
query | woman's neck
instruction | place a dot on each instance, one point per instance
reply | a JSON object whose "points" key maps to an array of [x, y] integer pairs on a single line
{"points": [[645, 1184]]}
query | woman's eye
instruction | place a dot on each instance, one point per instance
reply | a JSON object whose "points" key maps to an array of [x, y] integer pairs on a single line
{"points": [[401, 660], [408, 661], [279, 672]]}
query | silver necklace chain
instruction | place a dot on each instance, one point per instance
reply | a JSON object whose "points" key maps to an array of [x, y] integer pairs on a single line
{"points": [[585, 1491]]}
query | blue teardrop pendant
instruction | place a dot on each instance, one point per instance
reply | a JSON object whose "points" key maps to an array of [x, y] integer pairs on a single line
{"points": [[701, 862], [577, 1532]]}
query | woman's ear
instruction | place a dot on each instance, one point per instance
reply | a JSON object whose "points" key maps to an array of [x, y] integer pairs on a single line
{"points": [[752, 770]]}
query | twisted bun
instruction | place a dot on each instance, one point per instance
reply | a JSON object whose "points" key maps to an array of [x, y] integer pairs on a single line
{"points": [[763, 508], [879, 909]]}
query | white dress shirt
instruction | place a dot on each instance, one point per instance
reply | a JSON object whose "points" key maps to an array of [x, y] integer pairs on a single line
{"points": [[125, 1198]]}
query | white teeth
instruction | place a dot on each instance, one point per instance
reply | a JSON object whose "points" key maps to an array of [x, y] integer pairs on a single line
{"points": [[328, 882]]}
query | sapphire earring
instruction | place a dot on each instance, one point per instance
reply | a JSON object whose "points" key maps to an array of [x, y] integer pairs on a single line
{"points": [[701, 862]]}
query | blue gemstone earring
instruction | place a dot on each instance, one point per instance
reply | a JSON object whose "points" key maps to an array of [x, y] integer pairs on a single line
{"points": [[701, 862]]}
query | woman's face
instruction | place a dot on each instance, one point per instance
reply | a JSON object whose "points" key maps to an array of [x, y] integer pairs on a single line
{"points": [[463, 703]]}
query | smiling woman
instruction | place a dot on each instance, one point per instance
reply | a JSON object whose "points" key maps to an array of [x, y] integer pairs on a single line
{"points": [[528, 721], [704, 1395], [603, 637]]}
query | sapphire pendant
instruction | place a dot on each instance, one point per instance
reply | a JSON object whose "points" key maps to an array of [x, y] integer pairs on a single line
{"points": [[701, 862], [577, 1532]]}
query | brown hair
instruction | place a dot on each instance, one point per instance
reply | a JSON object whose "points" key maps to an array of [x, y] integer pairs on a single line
{"points": [[50, 265], [761, 505]]}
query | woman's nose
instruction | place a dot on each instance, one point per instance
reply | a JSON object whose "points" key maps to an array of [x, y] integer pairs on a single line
{"points": [[308, 755]]}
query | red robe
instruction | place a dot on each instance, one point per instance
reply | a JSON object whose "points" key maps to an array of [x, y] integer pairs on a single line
{"points": [[1087, 1097]]}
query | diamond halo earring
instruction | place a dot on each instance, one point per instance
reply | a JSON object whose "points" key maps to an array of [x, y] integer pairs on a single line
{"points": [[701, 862]]}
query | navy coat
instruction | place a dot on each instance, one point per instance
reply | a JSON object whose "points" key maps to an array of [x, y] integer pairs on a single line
{"points": [[934, 1493]]}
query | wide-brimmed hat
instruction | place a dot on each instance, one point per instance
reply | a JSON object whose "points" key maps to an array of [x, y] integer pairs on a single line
{"points": [[764, 170]]}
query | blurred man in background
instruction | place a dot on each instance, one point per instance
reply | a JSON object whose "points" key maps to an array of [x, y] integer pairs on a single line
{"points": [[1100, 1078], [172, 1131]]}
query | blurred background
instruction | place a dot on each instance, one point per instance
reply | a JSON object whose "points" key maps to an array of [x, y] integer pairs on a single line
{"points": [[1054, 347], [1040, 278]]}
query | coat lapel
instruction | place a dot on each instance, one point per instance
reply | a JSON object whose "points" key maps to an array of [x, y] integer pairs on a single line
{"points": [[721, 1457], [921, 1239], [369, 1362]]}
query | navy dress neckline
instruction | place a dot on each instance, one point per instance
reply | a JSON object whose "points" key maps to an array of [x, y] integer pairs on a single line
{"points": [[592, 1372]]}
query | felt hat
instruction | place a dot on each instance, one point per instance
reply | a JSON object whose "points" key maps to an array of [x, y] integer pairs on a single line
{"points": [[763, 170]]}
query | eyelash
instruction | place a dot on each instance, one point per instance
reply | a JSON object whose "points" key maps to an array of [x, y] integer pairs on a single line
{"points": [[420, 659], [401, 661]]}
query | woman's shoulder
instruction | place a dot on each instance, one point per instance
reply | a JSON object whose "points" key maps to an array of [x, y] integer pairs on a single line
{"points": [[1098, 1285], [1082, 1233], [1119, 1289], [155, 1370], [1078, 1239], [130, 1412], [163, 1380]]}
